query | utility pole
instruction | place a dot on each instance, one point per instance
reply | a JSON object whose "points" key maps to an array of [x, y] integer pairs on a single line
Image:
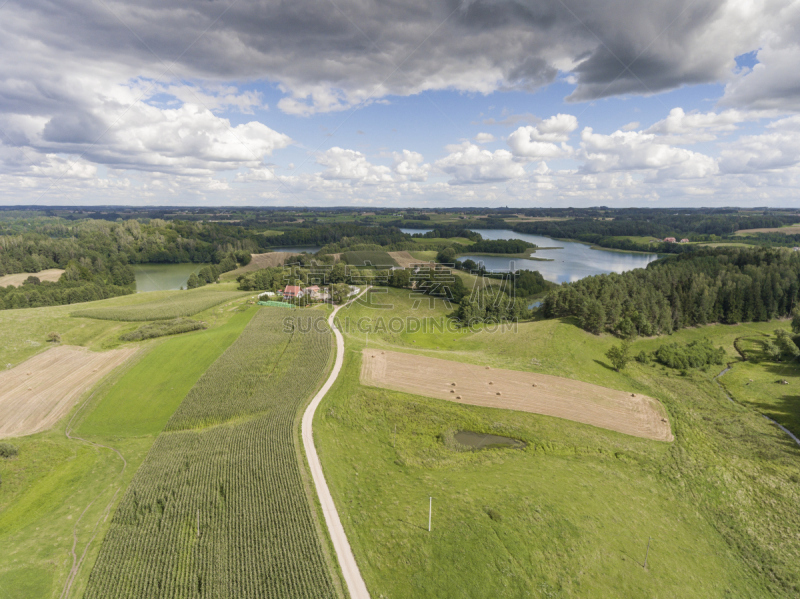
{"points": [[430, 511], [646, 553]]}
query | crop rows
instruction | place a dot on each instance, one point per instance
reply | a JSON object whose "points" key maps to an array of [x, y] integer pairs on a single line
{"points": [[177, 305], [381, 259], [221, 511]]}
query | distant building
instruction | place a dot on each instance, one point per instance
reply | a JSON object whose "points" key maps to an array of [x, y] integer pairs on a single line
{"points": [[669, 240], [684, 240], [313, 292]]}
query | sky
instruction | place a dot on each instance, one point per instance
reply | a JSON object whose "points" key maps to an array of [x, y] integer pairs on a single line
{"points": [[435, 103]]}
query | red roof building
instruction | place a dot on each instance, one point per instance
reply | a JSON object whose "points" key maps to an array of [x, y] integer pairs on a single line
{"points": [[292, 291]]}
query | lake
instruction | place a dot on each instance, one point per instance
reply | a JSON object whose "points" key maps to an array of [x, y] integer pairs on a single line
{"points": [[571, 262], [163, 277]]}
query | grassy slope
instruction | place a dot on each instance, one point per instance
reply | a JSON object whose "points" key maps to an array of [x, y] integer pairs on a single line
{"points": [[46, 489], [579, 504]]}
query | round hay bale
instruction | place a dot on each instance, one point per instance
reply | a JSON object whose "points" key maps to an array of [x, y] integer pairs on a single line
{"points": [[458, 397], [487, 368], [491, 382], [452, 390], [534, 384], [498, 393], [452, 384], [633, 394]]}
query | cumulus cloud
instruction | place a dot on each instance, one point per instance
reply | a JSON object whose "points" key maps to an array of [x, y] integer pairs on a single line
{"points": [[776, 149], [692, 127], [411, 165], [639, 151], [545, 140], [774, 82], [484, 138], [352, 165], [468, 163]]}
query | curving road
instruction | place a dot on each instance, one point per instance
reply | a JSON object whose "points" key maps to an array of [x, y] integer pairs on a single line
{"points": [[352, 575]]}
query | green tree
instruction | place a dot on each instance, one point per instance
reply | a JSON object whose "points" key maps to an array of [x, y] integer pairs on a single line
{"points": [[594, 316], [193, 282], [796, 320], [619, 355]]}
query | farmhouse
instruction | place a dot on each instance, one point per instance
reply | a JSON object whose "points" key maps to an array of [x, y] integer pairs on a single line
{"points": [[292, 292], [684, 240], [313, 292], [669, 240]]}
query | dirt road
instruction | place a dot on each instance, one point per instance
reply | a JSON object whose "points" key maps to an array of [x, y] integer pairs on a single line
{"points": [[347, 562]]}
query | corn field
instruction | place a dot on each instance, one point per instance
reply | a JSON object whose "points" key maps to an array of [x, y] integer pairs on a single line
{"points": [[218, 508], [187, 303]]}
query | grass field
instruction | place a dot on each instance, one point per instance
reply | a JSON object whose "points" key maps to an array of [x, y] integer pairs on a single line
{"points": [[379, 259], [219, 507], [177, 304], [45, 490], [570, 515]]}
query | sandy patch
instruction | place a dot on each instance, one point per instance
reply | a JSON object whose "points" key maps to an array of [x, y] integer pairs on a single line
{"points": [[621, 411], [51, 274], [37, 393]]}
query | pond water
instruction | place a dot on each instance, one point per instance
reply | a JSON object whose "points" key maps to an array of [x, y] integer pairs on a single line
{"points": [[486, 441], [163, 277], [412, 231], [570, 262]]}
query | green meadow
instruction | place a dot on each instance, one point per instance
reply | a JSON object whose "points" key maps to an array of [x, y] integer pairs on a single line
{"points": [[571, 514]]}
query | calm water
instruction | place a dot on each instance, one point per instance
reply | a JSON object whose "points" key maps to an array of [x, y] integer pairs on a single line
{"points": [[412, 231], [163, 277], [573, 261]]}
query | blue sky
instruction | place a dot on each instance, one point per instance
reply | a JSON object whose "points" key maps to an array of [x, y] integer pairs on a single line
{"points": [[477, 102]]}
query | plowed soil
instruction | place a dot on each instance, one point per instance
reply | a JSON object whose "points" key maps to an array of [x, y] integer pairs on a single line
{"points": [[35, 394], [621, 411]]}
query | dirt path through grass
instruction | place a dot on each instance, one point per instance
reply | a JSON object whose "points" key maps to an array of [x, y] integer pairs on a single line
{"points": [[350, 571]]}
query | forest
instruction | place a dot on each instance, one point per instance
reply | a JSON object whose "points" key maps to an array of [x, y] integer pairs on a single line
{"points": [[725, 285]]}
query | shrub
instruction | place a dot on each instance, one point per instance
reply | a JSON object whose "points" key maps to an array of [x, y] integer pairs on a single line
{"points": [[694, 355], [8, 451], [53, 337], [163, 328]]}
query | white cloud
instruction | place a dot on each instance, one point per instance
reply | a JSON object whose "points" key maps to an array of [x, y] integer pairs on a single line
{"points": [[639, 151], [468, 163], [692, 127], [774, 150], [352, 165], [484, 138], [773, 83], [540, 141], [411, 165]]}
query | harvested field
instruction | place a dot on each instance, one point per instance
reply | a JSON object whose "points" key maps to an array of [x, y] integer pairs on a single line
{"points": [[790, 230], [15, 280], [37, 393], [405, 259], [259, 261], [620, 411]]}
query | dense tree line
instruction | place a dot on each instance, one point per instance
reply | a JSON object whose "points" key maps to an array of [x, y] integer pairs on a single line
{"points": [[322, 235], [727, 285], [83, 280], [501, 246], [693, 224]]}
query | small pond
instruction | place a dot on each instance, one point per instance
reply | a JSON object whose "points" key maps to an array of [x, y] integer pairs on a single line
{"points": [[479, 441]]}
